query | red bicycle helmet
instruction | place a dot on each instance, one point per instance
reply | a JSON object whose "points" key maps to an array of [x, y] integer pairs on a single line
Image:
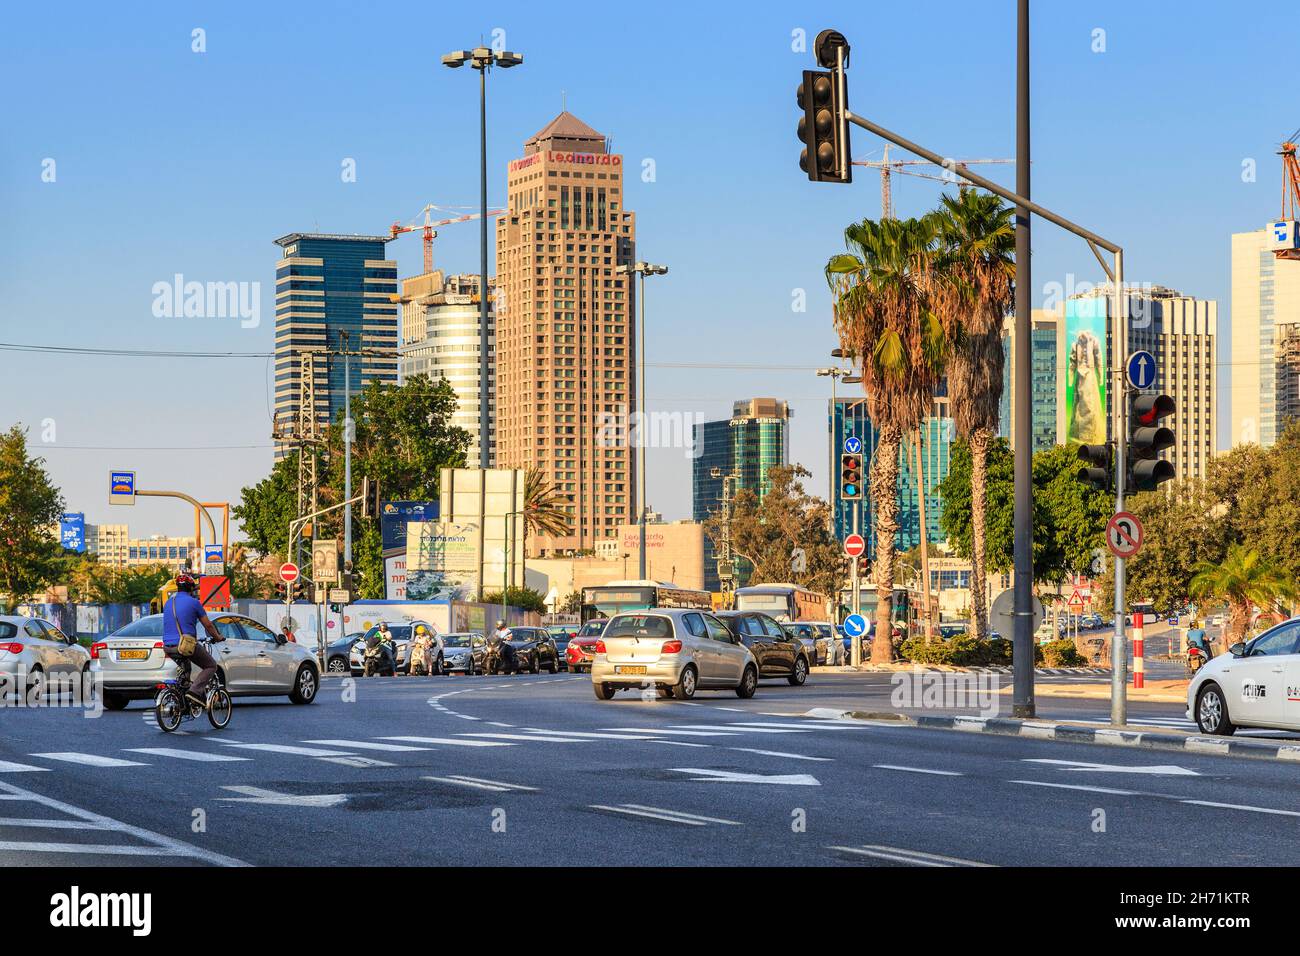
{"points": [[185, 582]]}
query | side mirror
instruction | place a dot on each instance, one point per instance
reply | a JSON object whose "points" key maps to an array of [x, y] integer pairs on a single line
{"points": [[1238, 649], [281, 639]]}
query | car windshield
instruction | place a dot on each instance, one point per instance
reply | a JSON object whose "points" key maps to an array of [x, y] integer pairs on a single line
{"points": [[151, 626], [593, 629], [402, 632], [639, 626], [456, 640]]}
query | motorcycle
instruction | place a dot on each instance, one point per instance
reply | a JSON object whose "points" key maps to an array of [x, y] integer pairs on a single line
{"points": [[1196, 659], [378, 661], [500, 656]]}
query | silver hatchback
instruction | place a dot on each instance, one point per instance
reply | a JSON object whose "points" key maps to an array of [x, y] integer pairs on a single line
{"points": [[674, 650], [252, 661], [33, 650]]}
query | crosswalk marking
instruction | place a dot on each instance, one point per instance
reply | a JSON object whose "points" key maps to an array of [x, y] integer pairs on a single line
{"points": [[914, 857], [296, 751], [939, 773], [452, 741], [7, 766], [202, 756], [365, 745], [778, 753], [1074, 786], [676, 733], [659, 813], [552, 740], [90, 760], [649, 735], [478, 783], [51, 824], [744, 728]]}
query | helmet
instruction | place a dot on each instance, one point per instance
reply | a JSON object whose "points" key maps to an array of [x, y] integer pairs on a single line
{"points": [[185, 582], [501, 623]]}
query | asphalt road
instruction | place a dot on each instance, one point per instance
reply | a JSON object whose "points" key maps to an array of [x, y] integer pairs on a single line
{"points": [[534, 770]]}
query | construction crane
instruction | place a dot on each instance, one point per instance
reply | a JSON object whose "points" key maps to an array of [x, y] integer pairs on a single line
{"points": [[888, 167], [1290, 191], [428, 227]]}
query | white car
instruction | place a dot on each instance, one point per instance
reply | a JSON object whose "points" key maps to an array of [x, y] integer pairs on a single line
{"points": [[1255, 684], [32, 650], [252, 661]]}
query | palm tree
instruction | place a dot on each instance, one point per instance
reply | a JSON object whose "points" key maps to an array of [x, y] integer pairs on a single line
{"points": [[978, 257], [1243, 578], [543, 507], [884, 290]]}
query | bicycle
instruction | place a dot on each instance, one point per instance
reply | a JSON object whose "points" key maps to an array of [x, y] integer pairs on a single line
{"points": [[171, 706]]}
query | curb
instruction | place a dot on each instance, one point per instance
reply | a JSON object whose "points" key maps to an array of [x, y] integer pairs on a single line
{"points": [[1288, 750], [905, 667]]}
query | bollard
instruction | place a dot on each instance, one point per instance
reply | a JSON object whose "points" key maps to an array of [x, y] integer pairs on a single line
{"points": [[1139, 675]]}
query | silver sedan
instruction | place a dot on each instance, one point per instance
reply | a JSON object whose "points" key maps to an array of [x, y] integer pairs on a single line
{"points": [[32, 650], [252, 661], [674, 650]]}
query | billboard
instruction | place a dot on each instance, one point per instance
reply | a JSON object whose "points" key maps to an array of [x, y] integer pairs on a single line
{"points": [[442, 562], [1085, 370], [72, 532], [394, 516]]}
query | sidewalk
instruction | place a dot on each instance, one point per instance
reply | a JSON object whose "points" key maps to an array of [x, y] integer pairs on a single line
{"points": [[1155, 691]]}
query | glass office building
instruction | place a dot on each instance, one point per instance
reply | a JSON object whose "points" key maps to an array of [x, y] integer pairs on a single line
{"points": [[1043, 351], [849, 419]]}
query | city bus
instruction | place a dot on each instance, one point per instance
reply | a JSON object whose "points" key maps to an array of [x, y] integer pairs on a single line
{"points": [[785, 602], [606, 600]]}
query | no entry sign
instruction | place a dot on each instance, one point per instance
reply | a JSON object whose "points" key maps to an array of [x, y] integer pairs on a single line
{"points": [[854, 545], [288, 572], [1124, 534]]}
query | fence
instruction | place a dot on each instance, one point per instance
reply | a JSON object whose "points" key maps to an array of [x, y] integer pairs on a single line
{"points": [[89, 622]]}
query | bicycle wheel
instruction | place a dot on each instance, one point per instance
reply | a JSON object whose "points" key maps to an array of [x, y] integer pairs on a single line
{"points": [[219, 708], [169, 710]]}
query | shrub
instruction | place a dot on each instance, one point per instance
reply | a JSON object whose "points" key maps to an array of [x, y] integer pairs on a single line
{"points": [[964, 650], [1062, 653]]}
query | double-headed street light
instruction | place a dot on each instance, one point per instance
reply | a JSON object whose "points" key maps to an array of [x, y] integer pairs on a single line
{"points": [[642, 269], [834, 373], [483, 59]]}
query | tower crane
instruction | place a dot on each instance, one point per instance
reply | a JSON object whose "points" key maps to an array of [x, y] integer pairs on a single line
{"points": [[428, 227], [1290, 190], [888, 167]]}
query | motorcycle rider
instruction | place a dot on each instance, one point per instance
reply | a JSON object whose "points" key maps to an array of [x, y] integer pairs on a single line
{"points": [[500, 649], [182, 614], [1196, 638]]}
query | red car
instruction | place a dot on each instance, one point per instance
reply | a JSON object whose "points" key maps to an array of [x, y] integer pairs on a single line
{"points": [[582, 648]]}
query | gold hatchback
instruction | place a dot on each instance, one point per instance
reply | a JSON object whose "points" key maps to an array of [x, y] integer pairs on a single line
{"points": [[674, 650]]}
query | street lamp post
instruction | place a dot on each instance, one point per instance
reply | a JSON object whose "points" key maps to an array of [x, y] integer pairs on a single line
{"points": [[642, 269], [483, 59], [834, 373]]}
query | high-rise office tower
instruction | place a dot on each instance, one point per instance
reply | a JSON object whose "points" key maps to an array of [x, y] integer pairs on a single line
{"points": [[566, 329], [1178, 330], [326, 285], [1042, 339], [440, 339], [1265, 312]]}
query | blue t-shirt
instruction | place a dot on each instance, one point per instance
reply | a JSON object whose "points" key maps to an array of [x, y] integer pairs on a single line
{"points": [[188, 610]]}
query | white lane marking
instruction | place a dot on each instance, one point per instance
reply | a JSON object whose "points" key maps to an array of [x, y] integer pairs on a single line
{"points": [[365, 745], [1072, 786], [497, 723], [938, 773], [481, 784], [742, 728], [914, 857], [165, 844], [467, 717], [295, 751], [675, 733], [88, 848], [49, 824], [361, 762], [678, 743], [778, 753], [681, 813], [809, 725], [258, 795], [729, 776], [90, 760], [666, 816], [593, 736], [180, 754], [1241, 806], [1168, 770], [529, 737], [451, 741], [9, 767]]}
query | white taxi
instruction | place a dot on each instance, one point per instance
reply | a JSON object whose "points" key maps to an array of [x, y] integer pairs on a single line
{"points": [[1255, 684]]}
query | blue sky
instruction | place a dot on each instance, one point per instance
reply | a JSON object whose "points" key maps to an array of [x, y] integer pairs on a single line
{"points": [[169, 161]]}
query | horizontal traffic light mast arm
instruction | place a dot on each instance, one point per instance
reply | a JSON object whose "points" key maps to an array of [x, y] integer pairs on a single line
{"points": [[975, 178]]}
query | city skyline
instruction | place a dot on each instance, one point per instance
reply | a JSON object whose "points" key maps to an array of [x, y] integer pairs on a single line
{"points": [[226, 183]]}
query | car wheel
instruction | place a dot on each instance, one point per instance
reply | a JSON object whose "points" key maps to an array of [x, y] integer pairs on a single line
{"points": [[552, 668], [749, 683], [337, 665], [114, 701], [684, 689], [439, 667], [603, 691], [1212, 711], [305, 685], [800, 672], [536, 667]]}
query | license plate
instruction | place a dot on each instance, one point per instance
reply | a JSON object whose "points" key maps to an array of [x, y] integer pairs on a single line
{"points": [[132, 655], [630, 669]]}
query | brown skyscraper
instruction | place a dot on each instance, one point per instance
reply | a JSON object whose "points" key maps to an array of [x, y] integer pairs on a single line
{"points": [[565, 328]]}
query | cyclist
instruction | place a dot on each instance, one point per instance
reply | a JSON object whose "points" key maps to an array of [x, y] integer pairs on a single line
{"points": [[181, 615]]}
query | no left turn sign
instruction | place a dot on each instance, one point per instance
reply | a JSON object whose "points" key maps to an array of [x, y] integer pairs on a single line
{"points": [[1124, 534]]}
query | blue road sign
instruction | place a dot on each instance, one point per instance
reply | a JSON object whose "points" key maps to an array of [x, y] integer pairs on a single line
{"points": [[212, 554], [855, 625], [853, 445], [121, 487], [1142, 369]]}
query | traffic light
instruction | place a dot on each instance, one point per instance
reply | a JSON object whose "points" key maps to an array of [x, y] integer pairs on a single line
{"points": [[851, 477], [822, 129], [369, 497], [1149, 439], [1098, 468]]}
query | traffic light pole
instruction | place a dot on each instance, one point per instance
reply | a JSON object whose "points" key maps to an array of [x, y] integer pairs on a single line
{"points": [[855, 644], [1119, 403], [1023, 644]]}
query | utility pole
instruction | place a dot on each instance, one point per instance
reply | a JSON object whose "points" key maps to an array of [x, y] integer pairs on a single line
{"points": [[925, 540], [347, 447]]}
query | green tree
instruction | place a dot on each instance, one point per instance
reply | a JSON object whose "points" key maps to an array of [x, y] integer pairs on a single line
{"points": [[885, 291], [767, 533], [30, 554], [246, 581], [544, 507], [1242, 579], [978, 258], [266, 509], [525, 598]]}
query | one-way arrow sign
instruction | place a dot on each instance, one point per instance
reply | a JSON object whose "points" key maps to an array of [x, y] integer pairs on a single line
{"points": [[728, 776]]}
